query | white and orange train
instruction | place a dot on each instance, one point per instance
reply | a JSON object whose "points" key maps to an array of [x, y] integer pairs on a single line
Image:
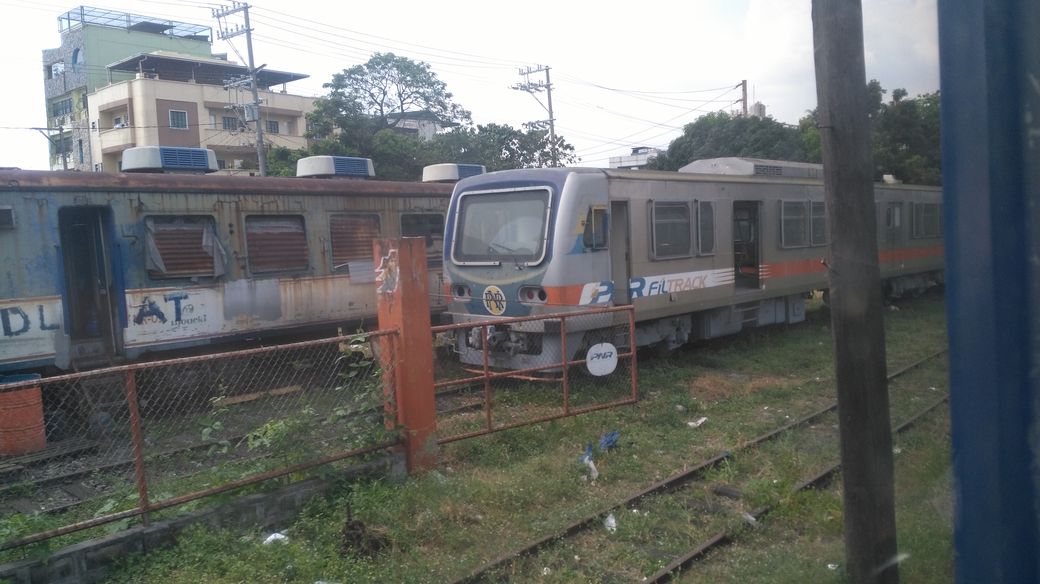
{"points": [[725, 244]]}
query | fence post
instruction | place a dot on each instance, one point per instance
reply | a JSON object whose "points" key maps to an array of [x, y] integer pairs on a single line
{"points": [[130, 382], [404, 304]]}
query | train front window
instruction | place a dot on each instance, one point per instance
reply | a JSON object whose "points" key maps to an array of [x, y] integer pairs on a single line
{"points": [[497, 227]]}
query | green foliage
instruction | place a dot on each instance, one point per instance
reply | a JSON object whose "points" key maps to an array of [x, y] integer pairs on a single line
{"points": [[365, 102], [904, 133], [719, 134]]}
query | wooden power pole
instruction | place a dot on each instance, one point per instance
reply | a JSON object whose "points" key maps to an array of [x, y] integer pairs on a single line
{"points": [[855, 293]]}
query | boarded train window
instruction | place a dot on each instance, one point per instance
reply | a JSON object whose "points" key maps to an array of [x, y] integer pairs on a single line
{"points": [[706, 227], [276, 243], [672, 233], [927, 220], [794, 223], [351, 237], [183, 246]]}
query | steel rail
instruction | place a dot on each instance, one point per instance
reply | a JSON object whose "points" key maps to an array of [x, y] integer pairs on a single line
{"points": [[671, 482]]}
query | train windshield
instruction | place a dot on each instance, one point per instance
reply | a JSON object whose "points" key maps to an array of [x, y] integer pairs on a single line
{"points": [[498, 227]]}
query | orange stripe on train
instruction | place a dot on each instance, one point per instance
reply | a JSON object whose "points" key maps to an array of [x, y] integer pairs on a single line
{"points": [[816, 265]]}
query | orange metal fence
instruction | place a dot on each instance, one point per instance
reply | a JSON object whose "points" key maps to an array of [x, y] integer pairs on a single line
{"points": [[473, 401], [128, 441]]}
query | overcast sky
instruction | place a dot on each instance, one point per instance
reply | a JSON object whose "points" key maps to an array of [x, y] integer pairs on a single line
{"points": [[624, 74]]}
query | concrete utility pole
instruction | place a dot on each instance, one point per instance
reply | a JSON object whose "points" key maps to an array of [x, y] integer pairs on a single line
{"points": [[855, 293], [219, 14], [535, 87], [743, 95]]}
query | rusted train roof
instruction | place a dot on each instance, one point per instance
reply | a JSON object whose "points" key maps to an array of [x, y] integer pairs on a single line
{"points": [[64, 181]]}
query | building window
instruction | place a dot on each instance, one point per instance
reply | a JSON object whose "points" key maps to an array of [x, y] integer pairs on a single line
{"points": [[178, 120], [671, 230], [927, 220], [272, 126], [118, 122], [230, 123], [79, 148], [57, 69], [61, 108], [351, 238], [276, 243], [183, 246], [706, 227], [595, 236], [794, 223], [819, 224]]}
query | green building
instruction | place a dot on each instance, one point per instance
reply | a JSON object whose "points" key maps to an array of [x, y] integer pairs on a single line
{"points": [[92, 39]]}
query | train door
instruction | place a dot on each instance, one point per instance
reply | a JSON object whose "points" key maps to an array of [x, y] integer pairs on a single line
{"points": [[747, 244], [620, 252], [90, 294]]}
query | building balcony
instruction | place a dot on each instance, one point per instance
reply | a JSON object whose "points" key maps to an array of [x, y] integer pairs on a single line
{"points": [[116, 139]]}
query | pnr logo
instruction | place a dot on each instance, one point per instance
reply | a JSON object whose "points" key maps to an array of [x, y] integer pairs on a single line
{"points": [[494, 300]]}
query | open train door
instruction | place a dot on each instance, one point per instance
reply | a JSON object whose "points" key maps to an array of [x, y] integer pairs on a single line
{"points": [[747, 244], [91, 299], [620, 252]]}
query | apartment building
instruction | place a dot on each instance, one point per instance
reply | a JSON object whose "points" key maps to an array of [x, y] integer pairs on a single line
{"points": [[180, 100], [91, 38]]}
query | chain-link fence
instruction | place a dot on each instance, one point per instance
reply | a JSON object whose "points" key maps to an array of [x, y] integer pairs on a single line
{"points": [[494, 375], [113, 443]]}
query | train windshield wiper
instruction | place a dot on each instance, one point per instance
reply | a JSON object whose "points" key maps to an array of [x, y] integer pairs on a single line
{"points": [[492, 245]]}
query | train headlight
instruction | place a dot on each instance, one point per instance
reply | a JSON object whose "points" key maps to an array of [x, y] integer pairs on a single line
{"points": [[461, 292], [532, 295]]}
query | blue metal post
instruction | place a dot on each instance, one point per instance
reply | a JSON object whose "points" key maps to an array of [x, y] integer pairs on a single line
{"points": [[990, 68]]}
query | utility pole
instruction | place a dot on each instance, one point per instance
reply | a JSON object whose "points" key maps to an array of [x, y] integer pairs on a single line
{"points": [[225, 34], [855, 294], [535, 87], [743, 95], [59, 145]]}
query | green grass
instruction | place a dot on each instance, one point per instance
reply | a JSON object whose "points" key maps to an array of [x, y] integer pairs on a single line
{"points": [[492, 494]]}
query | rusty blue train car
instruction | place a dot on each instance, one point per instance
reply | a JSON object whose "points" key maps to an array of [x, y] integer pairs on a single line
{"points": [[101, 268]]}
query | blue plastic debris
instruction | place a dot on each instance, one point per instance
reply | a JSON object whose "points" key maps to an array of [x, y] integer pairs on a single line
{"points": [[609, 440]]}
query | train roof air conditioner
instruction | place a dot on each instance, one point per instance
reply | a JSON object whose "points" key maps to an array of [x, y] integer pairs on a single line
{"points": [[169, 159], [451, 172], [335, 166]]}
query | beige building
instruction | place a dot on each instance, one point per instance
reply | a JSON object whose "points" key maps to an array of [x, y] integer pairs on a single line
{"points": [[184, 100]]}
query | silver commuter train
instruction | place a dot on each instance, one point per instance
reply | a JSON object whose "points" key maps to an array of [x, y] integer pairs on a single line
{"points": [[100, 268], [699, 255]]}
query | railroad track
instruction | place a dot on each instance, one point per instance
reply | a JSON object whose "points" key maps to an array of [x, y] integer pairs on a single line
{"points": [[486, 571], [64, 491]]}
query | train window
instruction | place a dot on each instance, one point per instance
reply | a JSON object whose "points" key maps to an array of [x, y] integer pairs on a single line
{"points": [[706, 227], [794, 221], [819, 224], [927, 220], [428, 225], [6, 217], [276, 243], [671, 230], [183, 246], [351, 237], [596, 228]]}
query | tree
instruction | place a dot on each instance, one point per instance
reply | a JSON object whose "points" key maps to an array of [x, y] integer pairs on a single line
{"points": [[719, 134], [500, 147], [904, 132], [367, 98]]}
